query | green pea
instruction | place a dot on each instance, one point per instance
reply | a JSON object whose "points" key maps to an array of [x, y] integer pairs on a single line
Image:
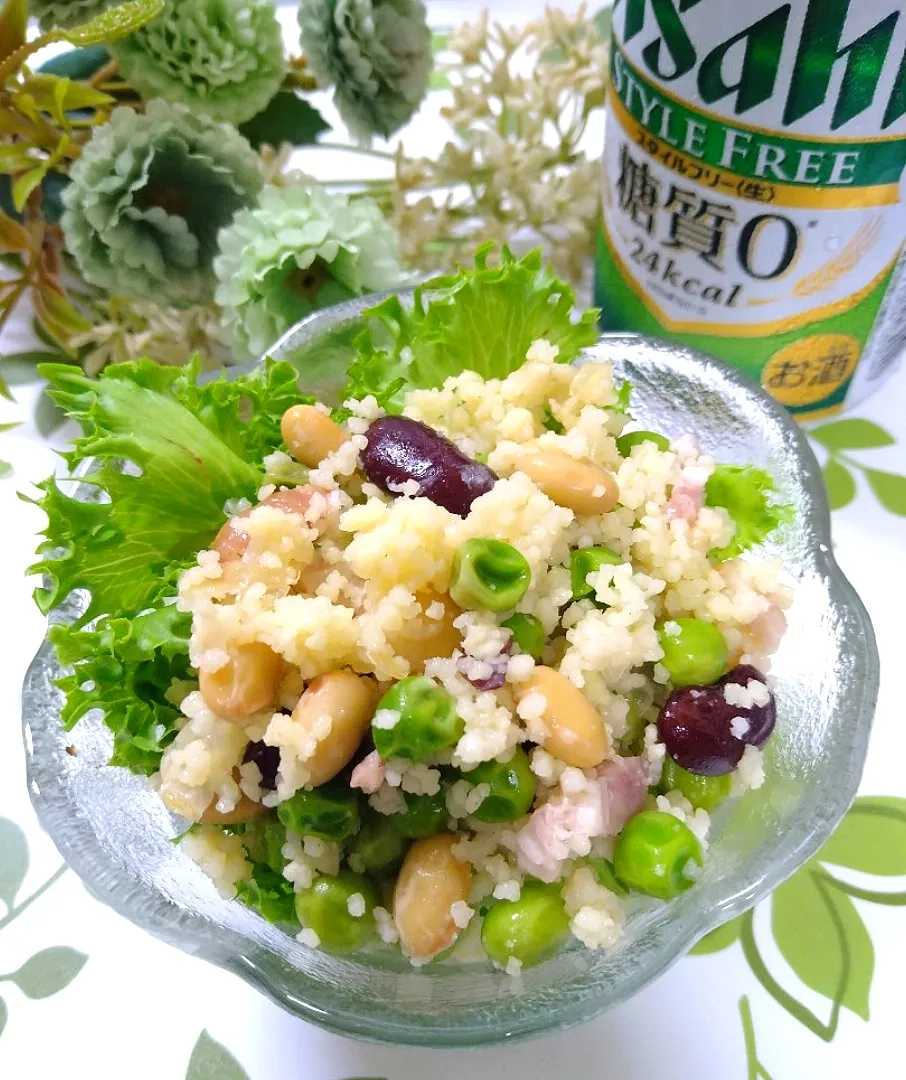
{"points": [[512, 787], [704, 792], [427, 720], [329, 812], [425, 815], [653, 854], [530, 929], [606, 875], [488, 575], [633, 738], [263, 841], [324, 908], [585, 561], [379, 844], [695, 651], [528, 633], [626, 442]]}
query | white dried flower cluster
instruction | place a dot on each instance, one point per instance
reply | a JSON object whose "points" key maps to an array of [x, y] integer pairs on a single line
{"points": [[126, 329], [522, 98]]}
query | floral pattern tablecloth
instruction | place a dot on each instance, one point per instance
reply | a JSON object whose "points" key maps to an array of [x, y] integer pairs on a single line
{"points": [[807, 985]]}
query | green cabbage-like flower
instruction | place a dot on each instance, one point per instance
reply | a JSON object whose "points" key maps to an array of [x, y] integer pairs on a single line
{"points": [[66, 13], [299, 250], [224, 58], [375, 53], [149, 195]]}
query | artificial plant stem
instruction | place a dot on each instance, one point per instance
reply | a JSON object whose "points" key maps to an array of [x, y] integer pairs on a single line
{"points": [[351, 148]]}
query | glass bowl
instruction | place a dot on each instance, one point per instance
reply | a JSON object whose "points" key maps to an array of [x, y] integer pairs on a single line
{"points": [[115, 833]]}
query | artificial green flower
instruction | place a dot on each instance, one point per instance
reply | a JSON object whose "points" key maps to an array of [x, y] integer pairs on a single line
{"points": [[300, 249], [65, 13], [224, 58], [375, 53], [148, 197]]}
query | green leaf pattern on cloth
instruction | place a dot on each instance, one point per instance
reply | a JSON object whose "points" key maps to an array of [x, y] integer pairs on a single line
{"points": [[50, 970], [13, 861], [871, 838], [839, 438], [823, 939], [721, 938], [755, 1069], [840, 484], [210, 1061], [814, 923]]}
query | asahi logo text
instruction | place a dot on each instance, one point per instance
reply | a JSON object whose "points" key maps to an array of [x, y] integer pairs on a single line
{"points": [[832, 71]]}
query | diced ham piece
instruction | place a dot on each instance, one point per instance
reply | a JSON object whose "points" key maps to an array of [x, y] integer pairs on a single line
{"points": [[565, 826], [685, 446], [768, 629], [546, 840], [688, 495], [231, 542], [368, 775], [624, 788]]}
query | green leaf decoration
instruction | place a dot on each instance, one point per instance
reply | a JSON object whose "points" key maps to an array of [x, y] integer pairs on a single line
{"points": [[13, 860], [602, 20], [48, 972], [823, 939], [48, 416], [4, 1014], [890, 490], [721, 938], [852, 434], [35, 356], [871, 838], [108, 26], [113, 24], [77, 63], [840, 484], [13, 22], [210, 1061], [5, 470], [438, 80], [286, 118]]}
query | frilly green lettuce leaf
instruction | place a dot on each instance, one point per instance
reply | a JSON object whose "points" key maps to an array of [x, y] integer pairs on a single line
{"points": [[267, 891], [745, 491], [483, 319], [189, 448], [124, 667], [270, 894]]}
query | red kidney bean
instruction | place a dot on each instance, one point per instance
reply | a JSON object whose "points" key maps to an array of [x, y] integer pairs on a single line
{"points": [[400, 449], [267, 758], [696, 724]]}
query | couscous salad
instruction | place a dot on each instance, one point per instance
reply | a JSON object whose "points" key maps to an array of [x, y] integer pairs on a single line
{"points": [[468, 651]]}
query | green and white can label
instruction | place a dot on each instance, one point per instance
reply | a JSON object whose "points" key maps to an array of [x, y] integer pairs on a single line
{"points": [[753, 188]]}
